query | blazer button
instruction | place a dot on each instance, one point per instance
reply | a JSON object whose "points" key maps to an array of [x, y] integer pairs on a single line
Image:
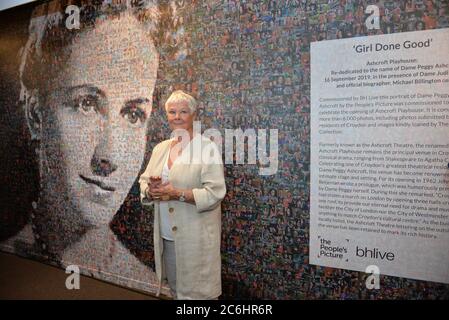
{"points": [[174, 229], [171, 210]]}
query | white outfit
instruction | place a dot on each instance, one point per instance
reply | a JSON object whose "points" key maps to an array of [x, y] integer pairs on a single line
{"points": [[166, 219], [196, 227]]}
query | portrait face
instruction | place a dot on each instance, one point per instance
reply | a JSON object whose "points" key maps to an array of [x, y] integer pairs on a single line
{"points": [[94, 120], [179, 116]]}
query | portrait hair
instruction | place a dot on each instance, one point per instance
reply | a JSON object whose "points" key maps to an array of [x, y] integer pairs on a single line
{"points": [[49, 39], [46, 53]]}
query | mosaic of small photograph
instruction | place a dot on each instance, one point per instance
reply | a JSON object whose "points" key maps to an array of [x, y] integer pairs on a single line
{"points": [[82, 108]]}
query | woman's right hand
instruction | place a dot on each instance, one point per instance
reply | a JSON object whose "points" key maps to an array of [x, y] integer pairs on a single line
{"points": [[154, 183]]}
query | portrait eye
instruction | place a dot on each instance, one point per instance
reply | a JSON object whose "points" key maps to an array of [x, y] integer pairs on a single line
{"points": [[133, 114], [86, 104]]}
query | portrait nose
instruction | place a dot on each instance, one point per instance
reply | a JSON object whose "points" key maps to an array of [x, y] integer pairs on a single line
{"points": [[102, 163], [101, 166]]}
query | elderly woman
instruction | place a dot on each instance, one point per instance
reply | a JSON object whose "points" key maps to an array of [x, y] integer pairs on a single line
{"points": [[87, 95], [185, 181]]}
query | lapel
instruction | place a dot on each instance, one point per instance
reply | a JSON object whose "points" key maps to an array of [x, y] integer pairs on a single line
{"points": [[187, 152], [161, 158]]}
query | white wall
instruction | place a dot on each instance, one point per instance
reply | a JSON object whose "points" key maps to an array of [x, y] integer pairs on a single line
{"points": [[5, 4]]}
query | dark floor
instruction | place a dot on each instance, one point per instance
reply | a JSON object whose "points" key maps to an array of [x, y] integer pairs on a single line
{"points": [[26, 279]]}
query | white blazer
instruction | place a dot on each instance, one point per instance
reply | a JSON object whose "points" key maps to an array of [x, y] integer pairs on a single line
{"points": [[196, 228]]}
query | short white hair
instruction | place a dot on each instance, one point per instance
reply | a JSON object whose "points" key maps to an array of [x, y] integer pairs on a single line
{"points": [[180, 96]]}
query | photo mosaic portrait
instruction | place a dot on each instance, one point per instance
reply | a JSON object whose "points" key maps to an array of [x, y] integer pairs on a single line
{"points": [[83, 108]]}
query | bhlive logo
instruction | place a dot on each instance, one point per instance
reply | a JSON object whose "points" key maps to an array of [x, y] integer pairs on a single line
{"points": [[374, 253]]}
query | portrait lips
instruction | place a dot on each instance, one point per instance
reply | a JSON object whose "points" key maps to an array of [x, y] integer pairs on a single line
{"points": [[100, 184], [99, 192]]}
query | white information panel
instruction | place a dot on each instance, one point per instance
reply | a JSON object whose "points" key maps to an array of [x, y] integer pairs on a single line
{"points": [[380, 154]]}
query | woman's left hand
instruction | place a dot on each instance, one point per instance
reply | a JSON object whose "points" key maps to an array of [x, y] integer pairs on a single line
{"points": [[163, 190]]}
